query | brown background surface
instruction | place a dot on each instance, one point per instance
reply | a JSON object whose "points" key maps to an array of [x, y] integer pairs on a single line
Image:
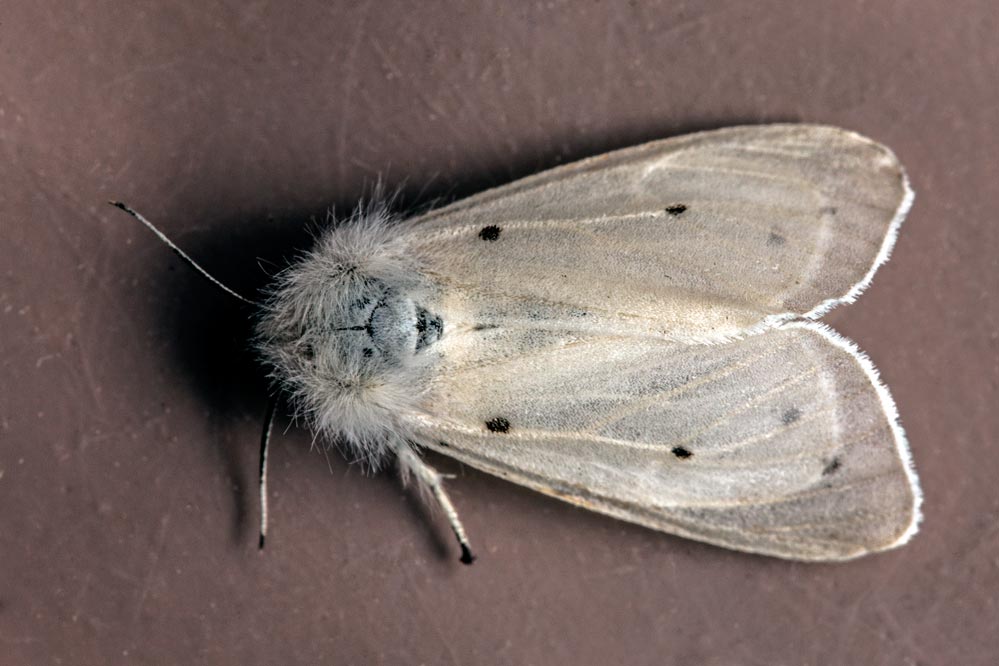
{"points": [[130, 408]]}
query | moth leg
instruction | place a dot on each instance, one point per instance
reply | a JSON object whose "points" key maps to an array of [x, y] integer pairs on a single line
{"points": [[265, 440], [431, 480]]}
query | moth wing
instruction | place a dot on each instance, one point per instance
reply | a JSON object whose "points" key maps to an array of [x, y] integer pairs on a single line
{"points": [[698, 237], [784, 443]]}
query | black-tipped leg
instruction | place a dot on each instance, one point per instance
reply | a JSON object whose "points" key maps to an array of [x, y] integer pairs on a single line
{"points": [[429, 478]]}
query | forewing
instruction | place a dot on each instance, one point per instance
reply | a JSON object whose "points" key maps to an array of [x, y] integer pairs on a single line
{"points": [[698, 237], [783, 443]]}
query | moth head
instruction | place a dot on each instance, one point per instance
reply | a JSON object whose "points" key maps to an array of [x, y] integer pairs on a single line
{"points": [[347, 336]]}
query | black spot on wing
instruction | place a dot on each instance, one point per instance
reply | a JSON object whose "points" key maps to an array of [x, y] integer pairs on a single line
{"points": [[775, 239], [832, 466], [675, 209], [790, 416], [681, 452], [498, 424], [490, 233]]}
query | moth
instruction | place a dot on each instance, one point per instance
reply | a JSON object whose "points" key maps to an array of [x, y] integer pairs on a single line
{"points": [[635, 333]]}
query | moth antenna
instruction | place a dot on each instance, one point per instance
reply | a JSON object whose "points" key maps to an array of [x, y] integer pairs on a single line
{"points": [[265, 439], [180, 253], [409, 461]]}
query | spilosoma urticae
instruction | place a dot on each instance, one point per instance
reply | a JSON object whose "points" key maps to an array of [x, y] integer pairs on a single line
{"points": [[634, 333]]}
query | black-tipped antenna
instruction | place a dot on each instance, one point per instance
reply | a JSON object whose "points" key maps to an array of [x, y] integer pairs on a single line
{"points": [[180, 253], [265, 440]]}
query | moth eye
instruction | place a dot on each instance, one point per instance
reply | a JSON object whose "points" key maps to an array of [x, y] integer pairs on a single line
{"points": [[676, 209], [490, 233], [498, 424], [790, 416], [681, 452], [429, 328], [832, 466]]}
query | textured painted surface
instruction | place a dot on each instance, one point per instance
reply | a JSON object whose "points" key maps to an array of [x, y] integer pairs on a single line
{"points": [[129, 410]]}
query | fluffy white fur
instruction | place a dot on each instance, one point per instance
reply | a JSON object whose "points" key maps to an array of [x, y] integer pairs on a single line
{"points": [[340, 393]]}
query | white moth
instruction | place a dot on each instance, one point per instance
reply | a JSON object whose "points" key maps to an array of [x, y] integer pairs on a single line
{"points": [[634, 333]]}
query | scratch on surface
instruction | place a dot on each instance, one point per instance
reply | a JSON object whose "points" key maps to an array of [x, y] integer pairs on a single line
{"points": [[350, 83], [851, 620], [903, 635], [42, 359], [147, 580], [432, 618], [83, 372], [393, 70], [135, 72], [78, 600]]}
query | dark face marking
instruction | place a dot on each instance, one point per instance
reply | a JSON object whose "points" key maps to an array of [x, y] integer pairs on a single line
{"points": [[775, 239], [498, 424], [390, 325], [675, 209], [790, 416], [429, 328], [490, 233], [681, 452], [832, 466], [828, 210]]}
